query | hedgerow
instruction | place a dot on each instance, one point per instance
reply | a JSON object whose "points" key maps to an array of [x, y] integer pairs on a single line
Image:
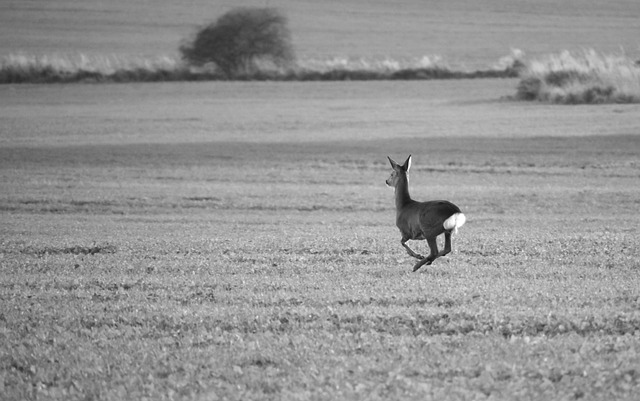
{"points": [[21, 68]]}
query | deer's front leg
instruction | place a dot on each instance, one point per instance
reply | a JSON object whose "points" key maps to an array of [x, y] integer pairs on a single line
{"points": [[409, 250], [433, 246]]}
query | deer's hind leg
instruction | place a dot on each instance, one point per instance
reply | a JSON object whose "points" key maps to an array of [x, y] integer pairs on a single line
{"points": [[447, 244], [433, 246]]}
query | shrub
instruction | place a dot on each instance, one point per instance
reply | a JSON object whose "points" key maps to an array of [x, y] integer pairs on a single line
{"points": [[241, 39], [529, 88]]}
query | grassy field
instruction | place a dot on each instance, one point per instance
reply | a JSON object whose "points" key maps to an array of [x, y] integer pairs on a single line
{"points": [[237, 241]]}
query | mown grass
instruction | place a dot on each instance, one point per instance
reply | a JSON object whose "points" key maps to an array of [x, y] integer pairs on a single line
{"points": [[276, 272], [587, 78]]}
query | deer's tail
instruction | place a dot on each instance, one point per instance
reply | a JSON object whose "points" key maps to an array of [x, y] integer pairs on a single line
{"points": [[454, 222]]}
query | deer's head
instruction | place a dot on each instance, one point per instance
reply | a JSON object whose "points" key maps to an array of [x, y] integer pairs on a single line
{"points": [[399, 172]]}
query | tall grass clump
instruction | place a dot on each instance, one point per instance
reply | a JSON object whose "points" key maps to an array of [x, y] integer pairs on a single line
{"points": [[421, 68], [586, 78]]}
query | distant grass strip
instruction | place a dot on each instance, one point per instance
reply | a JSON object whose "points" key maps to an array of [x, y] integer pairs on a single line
{"points": [[73, 250], [587, 78], [82, 68], [23, 68]]}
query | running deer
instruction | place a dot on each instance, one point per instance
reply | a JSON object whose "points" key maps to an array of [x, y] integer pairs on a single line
{"points": [[422, 220]]}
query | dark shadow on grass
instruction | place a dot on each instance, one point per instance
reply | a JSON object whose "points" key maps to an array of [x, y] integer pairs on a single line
{"points": [[72, 250]]}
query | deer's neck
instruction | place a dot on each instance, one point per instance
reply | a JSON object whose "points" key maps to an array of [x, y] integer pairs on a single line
{"points": [[402, 192]]}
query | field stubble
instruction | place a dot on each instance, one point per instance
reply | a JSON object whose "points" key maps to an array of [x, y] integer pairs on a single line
{"points": [[151, 264]]}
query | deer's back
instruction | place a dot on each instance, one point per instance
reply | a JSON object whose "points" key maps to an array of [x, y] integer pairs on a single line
{"points": [[425, 219]]}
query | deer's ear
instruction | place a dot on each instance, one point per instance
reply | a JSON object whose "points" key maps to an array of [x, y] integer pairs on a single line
{"points": [[407, 164], [393, 164]]}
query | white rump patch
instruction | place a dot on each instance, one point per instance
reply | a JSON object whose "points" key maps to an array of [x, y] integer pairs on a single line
{"points": [[454, 222]]}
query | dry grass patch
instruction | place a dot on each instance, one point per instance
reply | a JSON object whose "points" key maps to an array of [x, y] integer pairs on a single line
{"points": [[587, 78]]}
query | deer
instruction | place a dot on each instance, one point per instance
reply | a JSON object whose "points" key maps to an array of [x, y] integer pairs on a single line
{"points": [[422, 220]]}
